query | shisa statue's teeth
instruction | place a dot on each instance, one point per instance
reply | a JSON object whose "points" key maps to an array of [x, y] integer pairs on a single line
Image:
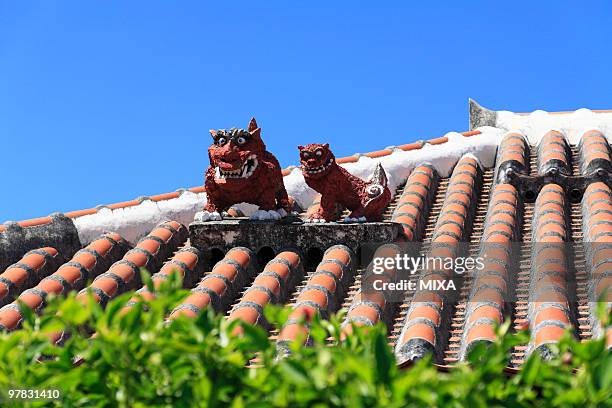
{"points": [[249, 166]]}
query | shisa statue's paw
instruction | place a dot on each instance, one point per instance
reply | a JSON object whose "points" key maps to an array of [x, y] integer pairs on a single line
{"points": [[263, 215], [353, 218], [274, 215], [316, 218], [282, 212], [203, 216], [259, 215]]}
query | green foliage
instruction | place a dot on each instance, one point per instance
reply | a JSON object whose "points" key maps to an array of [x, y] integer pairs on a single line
{"points": [[137, 359]]}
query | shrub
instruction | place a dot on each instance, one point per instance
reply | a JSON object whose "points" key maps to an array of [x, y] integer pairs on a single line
{"points": [[136, 359]]}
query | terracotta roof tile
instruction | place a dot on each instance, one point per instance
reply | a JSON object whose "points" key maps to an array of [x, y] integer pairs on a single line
{"points": [[417, 145], [513, 148], [318, 297], [594, 148], [379, 153], [219, 286], [437, 141], [34, 266], [553, 153], [71, 275], [549, 306], [272, 285], [597, 210], [422, 325], [483, 312], [149, 253], [412, 206], [187, 262]]}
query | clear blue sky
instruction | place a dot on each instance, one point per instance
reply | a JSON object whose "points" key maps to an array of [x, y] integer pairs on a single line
{"points": [[105, 101]]}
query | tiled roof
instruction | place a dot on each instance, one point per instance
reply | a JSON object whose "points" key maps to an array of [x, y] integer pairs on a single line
{"points": [[87, 263], [423, 327], [322, 293], [220, 287], [546, 186]]}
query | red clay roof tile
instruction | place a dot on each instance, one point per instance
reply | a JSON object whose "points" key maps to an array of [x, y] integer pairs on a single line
{"points": [[217, 287], [424, 315], [29, 270], [34, 298], [147, 254], [316, 296]]}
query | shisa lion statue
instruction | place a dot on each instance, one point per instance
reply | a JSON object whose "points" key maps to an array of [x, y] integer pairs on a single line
{"points": [[365, 199], [242, 170]]}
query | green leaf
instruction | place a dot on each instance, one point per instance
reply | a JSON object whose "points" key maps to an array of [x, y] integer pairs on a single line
{"points": [[384, 359]]}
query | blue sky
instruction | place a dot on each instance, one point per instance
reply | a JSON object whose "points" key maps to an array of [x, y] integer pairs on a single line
{"points": [[105, 101]]}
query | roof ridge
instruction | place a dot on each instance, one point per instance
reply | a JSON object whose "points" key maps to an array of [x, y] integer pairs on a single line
{"points": [[200, 189], [481, 116]]}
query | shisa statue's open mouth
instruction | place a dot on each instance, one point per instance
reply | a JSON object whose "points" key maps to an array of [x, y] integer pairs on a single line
{"points": [[318, 169], [245, 171]]}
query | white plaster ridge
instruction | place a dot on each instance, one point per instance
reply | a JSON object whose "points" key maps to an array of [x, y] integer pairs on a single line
{"points": [[573, 125]]}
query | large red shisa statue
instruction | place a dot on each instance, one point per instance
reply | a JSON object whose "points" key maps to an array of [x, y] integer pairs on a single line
{"points": [[365, 199], [242, 170]]}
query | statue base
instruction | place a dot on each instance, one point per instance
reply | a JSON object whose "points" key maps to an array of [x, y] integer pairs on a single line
{"points": [[266, 238]]}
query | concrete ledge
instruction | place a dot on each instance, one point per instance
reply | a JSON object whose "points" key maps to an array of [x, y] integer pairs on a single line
{"points": [[60, 234], [310, 239]]}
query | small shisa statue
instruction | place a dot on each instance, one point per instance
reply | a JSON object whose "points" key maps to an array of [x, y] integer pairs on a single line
{"points": [[365, 199]]}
